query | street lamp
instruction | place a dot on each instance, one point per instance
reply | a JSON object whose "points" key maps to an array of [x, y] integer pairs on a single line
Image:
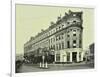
{"points": [[44, 58]]}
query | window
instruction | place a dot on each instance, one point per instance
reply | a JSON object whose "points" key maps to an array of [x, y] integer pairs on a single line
{"points": [[74, 30], [68, 44], [51, 40], [59, 37], [62, 45], [54, 47], [68, 35], [62, 35], [70, 29], [74, 21], [68, 22], [59, 46], [56, 38], [74, 34], [74, 43], [56, 29], [59, 27]]}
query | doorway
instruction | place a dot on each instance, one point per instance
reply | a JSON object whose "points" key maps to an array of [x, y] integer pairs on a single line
{"points": [[74, 56]]}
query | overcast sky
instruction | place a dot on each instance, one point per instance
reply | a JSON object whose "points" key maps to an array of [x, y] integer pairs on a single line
{"points": [[31, 19]]}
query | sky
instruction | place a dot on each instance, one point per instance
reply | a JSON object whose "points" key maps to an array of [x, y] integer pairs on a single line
{"points": [[30, 19]]}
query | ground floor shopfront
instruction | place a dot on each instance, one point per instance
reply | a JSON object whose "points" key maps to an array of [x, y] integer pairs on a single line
{"points": [[69, 55], [65, 56]]}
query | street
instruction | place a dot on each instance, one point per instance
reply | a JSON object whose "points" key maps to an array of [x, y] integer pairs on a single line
{"points": [[52, 67]]}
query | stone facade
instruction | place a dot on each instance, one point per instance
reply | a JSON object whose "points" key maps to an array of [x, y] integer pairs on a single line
{"points": [[64, 37]]}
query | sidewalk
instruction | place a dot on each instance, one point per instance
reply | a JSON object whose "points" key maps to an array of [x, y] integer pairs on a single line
{"points": [[70, 64]]}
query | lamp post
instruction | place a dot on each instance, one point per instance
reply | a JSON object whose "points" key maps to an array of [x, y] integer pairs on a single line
{"points": [[44, 58], [40, 57]]}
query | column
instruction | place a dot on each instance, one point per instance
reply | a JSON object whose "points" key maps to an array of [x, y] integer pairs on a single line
{"points": [[43, 61], [55, 57], [81, 56], [77, 56], [66, 57], [70, 56]]}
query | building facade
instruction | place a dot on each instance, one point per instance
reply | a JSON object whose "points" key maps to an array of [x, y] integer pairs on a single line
{"points": [[63, 38]]}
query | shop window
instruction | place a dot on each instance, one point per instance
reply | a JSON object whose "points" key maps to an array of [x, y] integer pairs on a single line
{"points": [[80, 55], [57, 57], [68, 56]]}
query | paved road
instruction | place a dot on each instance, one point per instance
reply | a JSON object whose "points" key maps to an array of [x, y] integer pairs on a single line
{"points": [[35, 68]]}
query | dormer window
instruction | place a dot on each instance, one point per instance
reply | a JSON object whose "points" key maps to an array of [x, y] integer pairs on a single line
{"points": [[74, 30], [74, 21]]}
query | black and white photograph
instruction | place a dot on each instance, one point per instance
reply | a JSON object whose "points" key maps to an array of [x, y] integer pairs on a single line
{"points": [[50, 38]]}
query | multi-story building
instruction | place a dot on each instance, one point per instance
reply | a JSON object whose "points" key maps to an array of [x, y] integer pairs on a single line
{"points": [[64, 37]]}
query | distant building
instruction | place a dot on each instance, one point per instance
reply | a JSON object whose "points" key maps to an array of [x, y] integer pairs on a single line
{"points": [[63, 37], [91, 47], [19, 57]]}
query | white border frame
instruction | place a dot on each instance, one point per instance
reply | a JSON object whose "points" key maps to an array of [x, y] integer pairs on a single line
{"points": [[13, 74]]}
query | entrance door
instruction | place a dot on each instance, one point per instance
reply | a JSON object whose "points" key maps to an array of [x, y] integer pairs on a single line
{"points": [[74, 56]]}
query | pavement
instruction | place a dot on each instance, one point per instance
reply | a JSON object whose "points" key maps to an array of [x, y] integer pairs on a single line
{"points": [[53, 67]]}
